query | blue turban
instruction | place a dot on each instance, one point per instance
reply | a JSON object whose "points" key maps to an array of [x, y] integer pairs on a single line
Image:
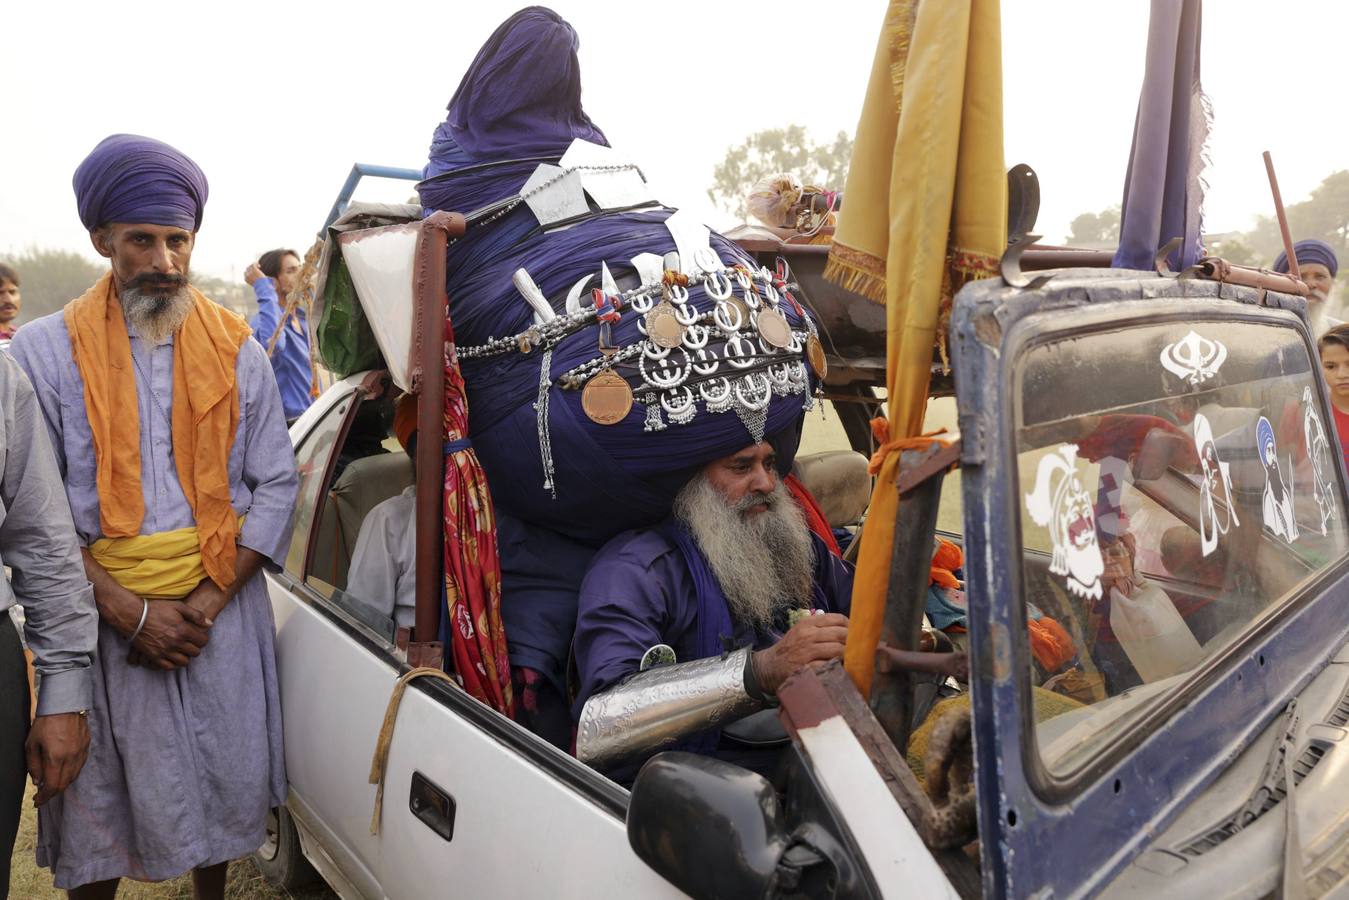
{"points": [[129, 178], [1310, 251]]}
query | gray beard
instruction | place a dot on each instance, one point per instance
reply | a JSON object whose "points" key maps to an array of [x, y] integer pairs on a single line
{"points": [[765, 563], [155, 317]]}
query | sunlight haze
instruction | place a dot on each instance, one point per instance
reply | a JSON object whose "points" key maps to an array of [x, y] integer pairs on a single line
{"points": [[277, 100]]}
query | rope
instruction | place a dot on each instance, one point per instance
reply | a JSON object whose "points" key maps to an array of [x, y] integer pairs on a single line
{"points": [[880, 429], [385, 739]]}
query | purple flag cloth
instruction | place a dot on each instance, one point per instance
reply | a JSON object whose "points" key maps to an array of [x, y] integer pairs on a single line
{"points": [[520, 97], [1163, 195], [1310, 251], [129, 178]]}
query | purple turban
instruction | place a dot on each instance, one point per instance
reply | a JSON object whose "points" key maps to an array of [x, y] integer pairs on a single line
{"points": [[129, 178], [1310, 251], [522, 94]]}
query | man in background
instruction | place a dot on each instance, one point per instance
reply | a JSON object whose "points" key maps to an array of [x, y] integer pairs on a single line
{"points": [[10, 302], [285, 337], [1318, 265]]}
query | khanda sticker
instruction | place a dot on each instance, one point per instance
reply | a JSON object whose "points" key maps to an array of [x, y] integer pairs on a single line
{"points": [[1060, 504], [1217, 512], [1322, 462], [1195, 359], [1278, 499]]}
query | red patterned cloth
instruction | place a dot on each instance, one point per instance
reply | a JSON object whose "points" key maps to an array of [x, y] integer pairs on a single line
{"points": [[814, 515], [477, 638]]}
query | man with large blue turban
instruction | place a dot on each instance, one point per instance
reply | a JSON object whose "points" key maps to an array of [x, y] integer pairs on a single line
{"points": [[170, 438], [686, 630], [566, 477], [1318, 265]]}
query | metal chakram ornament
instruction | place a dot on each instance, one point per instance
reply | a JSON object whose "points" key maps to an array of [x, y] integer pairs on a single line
{"points": [[606, 398], [773, 328], [815, 356], [662, 326]]}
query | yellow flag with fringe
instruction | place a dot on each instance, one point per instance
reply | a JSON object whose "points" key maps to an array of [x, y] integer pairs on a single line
{"points": [[926, 212]]}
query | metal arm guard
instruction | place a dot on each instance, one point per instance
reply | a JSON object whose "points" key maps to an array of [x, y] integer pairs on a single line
{"points": [[655, 708]]}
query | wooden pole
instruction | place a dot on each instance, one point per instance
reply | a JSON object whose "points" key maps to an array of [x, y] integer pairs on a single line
{"points": [[1283, 219]]}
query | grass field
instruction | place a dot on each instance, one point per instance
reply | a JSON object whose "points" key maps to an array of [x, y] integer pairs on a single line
{"points": [[28, 882]]}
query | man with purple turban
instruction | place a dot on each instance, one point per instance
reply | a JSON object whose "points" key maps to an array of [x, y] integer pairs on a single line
{"points": [[686, 630], [1317, 262], [170, 438]]}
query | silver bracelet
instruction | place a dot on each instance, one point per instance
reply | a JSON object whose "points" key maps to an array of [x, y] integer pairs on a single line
{"points": [[145, 611]]}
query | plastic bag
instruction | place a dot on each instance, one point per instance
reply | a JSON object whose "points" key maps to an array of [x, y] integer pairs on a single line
{"points": [[1152, 634], [345, 342]]}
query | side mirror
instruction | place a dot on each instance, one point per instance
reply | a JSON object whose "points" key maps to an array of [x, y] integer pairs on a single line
{"points": [[710, 828]]}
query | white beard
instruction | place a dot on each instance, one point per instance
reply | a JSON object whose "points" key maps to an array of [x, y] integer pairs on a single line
{"points": [[155, 317], [765, 563]]}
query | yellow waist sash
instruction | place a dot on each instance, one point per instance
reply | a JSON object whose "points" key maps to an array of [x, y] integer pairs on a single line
{"points": [[163, 566]]}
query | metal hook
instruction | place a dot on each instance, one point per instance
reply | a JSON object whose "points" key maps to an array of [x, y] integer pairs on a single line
{"points": [[1160, 263], [1010, 264]]}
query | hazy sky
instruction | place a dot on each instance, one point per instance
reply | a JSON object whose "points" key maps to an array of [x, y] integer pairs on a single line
{"points": [[277, 100]]}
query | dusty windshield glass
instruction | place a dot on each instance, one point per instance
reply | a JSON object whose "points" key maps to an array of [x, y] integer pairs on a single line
{"points": [[1177, 485]]}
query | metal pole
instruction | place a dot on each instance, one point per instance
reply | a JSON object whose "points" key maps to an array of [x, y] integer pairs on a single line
{"points": [[1293, 268], [359, 171], [892, 693], [429, 288]]}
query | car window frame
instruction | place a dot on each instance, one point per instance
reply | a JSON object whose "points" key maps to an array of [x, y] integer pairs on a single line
{"points": [[1118, 811], [309, 435], [1059, 787], [298, 583]]}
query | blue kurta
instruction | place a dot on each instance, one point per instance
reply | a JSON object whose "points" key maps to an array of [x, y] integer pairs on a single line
{"points": [[183, 765], [290, 357], [638, 593]]}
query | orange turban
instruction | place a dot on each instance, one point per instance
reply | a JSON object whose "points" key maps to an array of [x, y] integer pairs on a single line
{"points": [[405, 419]]}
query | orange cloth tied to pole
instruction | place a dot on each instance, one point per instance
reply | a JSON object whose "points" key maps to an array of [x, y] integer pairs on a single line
{"points": [[204, 417], [926, 212]]}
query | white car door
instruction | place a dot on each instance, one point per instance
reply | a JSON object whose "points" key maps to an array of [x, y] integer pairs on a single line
{"points": [[527, 820], [471, 800], [333, 689]]}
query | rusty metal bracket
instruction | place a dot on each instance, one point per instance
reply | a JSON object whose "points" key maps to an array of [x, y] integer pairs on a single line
{"points": [[943, 460], [1010, 264], [1160, 263], [426, 654]]}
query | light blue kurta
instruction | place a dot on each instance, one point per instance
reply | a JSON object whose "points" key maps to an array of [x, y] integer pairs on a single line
{"points": [[183, 765]]}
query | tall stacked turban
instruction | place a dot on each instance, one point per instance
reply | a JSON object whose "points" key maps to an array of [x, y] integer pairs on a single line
{"points": [[134, 179], [1309, 251]]}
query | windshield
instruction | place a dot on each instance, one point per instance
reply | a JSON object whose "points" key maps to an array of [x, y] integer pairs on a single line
{"points": [[1177, 485]]}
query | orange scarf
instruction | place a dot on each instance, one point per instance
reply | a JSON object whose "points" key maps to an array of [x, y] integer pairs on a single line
{"points": [[205, 416]]}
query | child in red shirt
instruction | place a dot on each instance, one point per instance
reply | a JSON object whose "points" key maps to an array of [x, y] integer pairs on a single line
{"points": [[1334, 347]]}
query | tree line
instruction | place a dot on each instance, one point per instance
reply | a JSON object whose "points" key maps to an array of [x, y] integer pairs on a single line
{"points": [[52, 278], [1323, 215]]}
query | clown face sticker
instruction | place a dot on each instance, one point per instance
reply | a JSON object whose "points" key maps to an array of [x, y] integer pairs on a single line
{"points": [[1060, 504], [1195, 359], [1217, 512], [1321, 458], [1278, 500]]}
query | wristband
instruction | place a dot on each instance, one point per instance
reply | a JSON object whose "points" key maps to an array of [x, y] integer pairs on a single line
{"points": [[752, 685], [145, 611]]}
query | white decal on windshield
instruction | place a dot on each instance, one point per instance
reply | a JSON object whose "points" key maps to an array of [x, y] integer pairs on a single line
{"points": [[1323, 465], [1278, 502], [1193, 358], [1215, 489], [1060, 504]]}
